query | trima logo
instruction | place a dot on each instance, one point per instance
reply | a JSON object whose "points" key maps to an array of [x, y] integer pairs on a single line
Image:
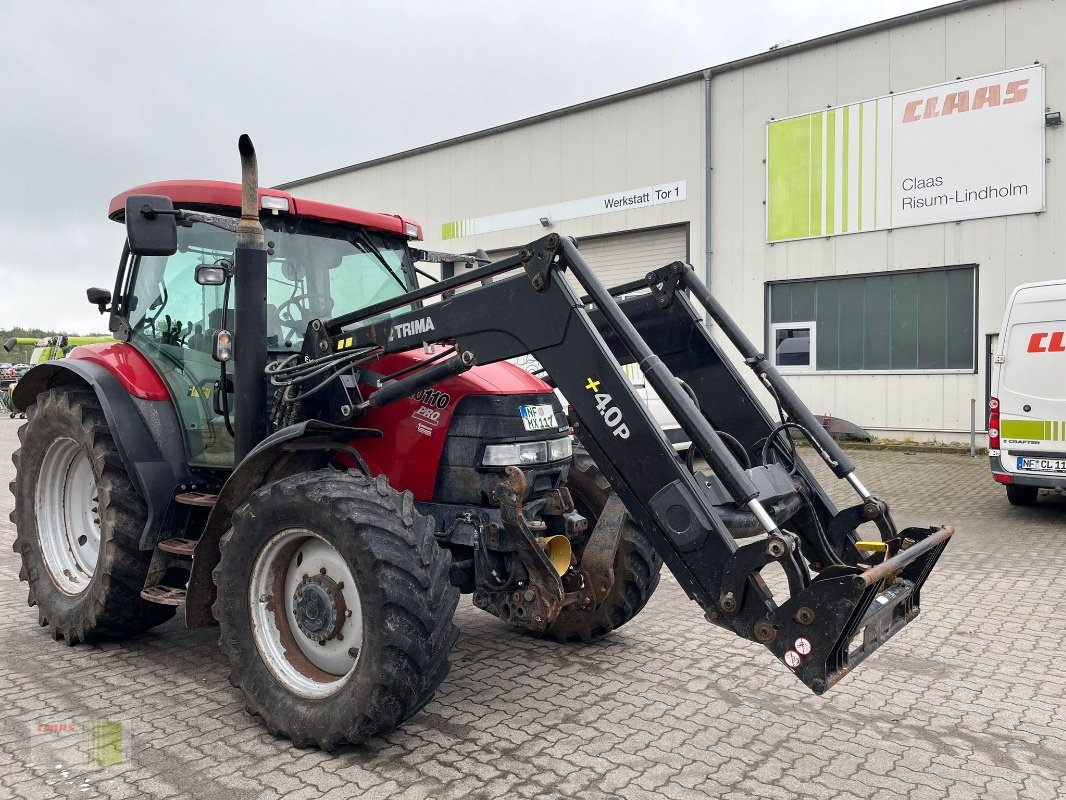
{"points": [[404, 329]]}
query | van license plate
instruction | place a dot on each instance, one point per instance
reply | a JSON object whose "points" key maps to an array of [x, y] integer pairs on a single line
{"points": [[538, 418], [1042, 464]]}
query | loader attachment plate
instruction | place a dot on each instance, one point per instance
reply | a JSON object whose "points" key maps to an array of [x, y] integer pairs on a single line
{"points": [[818, 630]]}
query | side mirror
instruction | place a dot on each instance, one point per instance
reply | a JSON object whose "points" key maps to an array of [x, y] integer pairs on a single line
{"points": [[11, 344], [151, 227], [210, 274], [99, 298]]}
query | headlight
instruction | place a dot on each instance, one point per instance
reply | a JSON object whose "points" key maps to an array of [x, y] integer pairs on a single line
{"points": [[559, 449], [525, 453]]}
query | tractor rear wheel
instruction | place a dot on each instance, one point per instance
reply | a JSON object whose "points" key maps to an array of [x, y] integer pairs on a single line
{"points": [[78, 522], [636, 566], [335, 607]]}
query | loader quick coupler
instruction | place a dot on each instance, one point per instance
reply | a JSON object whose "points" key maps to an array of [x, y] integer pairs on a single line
{"points": [[746, 562]]}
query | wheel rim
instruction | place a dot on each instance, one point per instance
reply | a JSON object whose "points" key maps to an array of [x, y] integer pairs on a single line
{"points": [[68, 515], [307, 619]]}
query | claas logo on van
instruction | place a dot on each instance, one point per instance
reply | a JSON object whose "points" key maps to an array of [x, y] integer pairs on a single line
{"points": [[1047, 342]]}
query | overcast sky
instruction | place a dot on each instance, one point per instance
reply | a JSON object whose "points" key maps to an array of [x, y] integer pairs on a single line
{"points": [[97, 97]]}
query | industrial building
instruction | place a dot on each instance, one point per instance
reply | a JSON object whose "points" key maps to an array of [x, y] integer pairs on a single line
{"points": [[863, 203]]}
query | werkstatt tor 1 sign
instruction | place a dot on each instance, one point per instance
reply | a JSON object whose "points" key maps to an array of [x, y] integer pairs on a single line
{"points": [[963, 150]]}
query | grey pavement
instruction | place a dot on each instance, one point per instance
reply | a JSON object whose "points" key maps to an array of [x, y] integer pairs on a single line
{"points": [[967, 702]]}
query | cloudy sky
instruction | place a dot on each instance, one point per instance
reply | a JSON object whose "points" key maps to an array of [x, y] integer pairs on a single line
{"points": [[96, 97]]}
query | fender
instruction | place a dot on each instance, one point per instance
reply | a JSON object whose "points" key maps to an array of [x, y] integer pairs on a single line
{"points": [[146, 432], [305, 446]]}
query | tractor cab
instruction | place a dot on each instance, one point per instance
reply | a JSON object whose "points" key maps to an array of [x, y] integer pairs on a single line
{"points": [[175, 307]]}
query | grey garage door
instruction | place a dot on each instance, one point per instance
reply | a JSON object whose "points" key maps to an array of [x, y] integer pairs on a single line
{"points": [[619, 258]]}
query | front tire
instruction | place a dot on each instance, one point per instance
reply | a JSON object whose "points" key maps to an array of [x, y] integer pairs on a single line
{"points": [[335, 607], [78, 523], [636, 565]]}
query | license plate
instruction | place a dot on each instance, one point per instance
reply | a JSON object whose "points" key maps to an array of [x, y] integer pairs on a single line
{"points": [[1042, 464], [538, 418]]}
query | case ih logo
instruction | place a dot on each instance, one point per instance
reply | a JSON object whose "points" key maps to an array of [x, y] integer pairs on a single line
{"points": [[1047, 342], [404, 329], [959, 102]]}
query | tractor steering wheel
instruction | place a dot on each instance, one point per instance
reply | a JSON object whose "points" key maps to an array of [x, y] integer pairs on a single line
{"points": [[323, 301]]}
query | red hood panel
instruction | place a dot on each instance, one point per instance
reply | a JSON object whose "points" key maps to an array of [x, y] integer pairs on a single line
{"points": [[415, 430]]}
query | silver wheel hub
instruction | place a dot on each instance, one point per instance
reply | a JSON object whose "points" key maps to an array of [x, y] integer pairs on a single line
{"points": [[68, 515], [307, 620], [319, 608]]}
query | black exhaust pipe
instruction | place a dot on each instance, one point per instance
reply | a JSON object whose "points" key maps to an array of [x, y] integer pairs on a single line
{"points": [[249, 307]]}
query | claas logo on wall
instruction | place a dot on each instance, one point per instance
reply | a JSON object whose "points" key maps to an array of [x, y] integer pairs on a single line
{"points": [[942, 105]]}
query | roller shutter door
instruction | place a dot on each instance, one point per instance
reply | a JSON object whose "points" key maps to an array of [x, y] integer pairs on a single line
{"points": [[624, 257]]}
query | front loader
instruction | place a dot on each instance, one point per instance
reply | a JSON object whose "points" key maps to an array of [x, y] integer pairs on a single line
{"points": [[322, 468]]}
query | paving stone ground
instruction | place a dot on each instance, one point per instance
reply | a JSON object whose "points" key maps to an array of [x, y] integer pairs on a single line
{"points": [[968, 702]]}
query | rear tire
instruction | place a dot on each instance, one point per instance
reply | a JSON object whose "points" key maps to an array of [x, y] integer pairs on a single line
{"points": [[636, 566], [79, 522], [1022, 495], [337, 662]]}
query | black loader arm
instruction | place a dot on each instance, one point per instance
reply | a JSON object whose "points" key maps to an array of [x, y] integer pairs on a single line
{"points": [[759, 506]]}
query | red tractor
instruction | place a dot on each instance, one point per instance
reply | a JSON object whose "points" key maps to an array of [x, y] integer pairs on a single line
{"points": [[296, 442]]}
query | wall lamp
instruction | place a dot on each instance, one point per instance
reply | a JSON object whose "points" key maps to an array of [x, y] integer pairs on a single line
{"points": [[1053, 119], [547, 223]]}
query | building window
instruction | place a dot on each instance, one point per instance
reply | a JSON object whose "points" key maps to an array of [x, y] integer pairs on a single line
{"points": [[794, 344], [907, 321]]}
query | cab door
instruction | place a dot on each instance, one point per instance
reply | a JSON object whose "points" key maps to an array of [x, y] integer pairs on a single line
{"points": [[172, 322]]}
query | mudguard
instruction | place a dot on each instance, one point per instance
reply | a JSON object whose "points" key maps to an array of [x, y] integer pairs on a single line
{"points": [[146, 432], [305, 446]]}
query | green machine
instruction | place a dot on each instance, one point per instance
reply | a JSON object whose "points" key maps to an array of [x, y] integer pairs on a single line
{"points": [[48, 348]]}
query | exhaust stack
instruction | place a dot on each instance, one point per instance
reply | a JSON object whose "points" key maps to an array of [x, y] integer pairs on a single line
{"points": [[249, 229], [250, 324]]}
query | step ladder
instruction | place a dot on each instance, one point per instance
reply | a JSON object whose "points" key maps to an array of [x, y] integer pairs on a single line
{"points": [[172, 559]]}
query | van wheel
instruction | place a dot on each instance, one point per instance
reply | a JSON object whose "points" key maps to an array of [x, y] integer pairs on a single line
{"points": [[1022, 495]]}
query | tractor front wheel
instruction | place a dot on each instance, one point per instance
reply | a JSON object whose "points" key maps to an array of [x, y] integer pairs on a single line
{"points": [[78, 522], [636, 565], [335, 607]]}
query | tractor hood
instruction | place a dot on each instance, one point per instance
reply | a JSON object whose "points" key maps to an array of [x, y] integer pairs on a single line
{"points": [[419, 425]]}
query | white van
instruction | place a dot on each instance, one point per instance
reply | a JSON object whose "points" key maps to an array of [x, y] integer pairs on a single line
{"points": [[1027, 409]]}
